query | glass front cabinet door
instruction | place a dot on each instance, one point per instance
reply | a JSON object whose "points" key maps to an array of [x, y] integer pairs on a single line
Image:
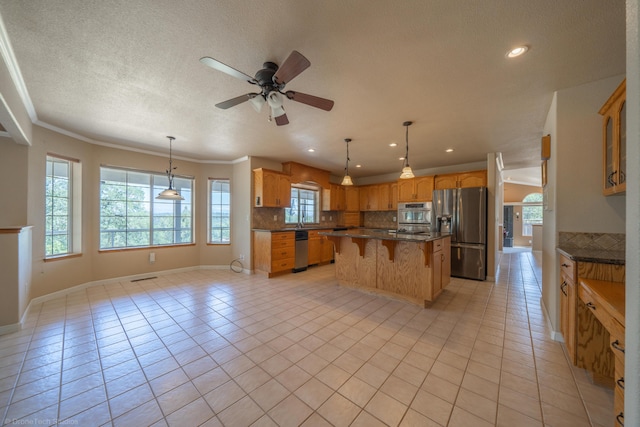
{"points": [[614, 142]]}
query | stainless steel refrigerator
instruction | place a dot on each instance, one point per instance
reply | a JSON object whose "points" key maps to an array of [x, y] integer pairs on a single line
{"points": [[463, 213]]}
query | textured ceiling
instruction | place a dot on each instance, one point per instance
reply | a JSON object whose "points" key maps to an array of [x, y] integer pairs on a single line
{"points": [[128, 73]]}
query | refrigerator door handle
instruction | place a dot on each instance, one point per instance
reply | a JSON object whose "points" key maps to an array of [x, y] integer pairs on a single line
{"points": [[468, 245]]}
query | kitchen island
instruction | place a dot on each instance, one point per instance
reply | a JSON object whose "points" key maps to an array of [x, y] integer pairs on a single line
{"points": [[413, 267]]}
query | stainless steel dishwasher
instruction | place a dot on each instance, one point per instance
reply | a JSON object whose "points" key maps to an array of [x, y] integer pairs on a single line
{"points": [[302, 251]]}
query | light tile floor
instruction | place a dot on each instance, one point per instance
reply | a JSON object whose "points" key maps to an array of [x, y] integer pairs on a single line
{"points": [[213, 347]]}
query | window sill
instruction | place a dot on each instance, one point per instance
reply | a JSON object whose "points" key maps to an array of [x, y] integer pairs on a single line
{"points": [[139, 248], [218, 243], [61, 257]]}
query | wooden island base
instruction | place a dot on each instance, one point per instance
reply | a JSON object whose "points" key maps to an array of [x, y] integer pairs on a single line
{"points": [[415, 271]]}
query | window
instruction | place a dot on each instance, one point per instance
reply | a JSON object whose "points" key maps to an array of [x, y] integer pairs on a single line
{"points": [[220, 211], [58, 230], [305, 206], [531, 212], [131, 216]]}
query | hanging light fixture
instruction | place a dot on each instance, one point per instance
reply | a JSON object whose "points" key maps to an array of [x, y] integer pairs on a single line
{"points": [[406, 170], [347, 179], [170, 193]]}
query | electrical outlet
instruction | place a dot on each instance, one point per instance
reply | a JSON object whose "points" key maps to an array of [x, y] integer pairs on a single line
{"points": [[330, 218], [323, 217], [241, 257], [394, 218], [275, 217], [152, 257]]}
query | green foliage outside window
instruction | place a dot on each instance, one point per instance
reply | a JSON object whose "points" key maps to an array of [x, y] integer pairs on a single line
{"points": [[131, 216]]}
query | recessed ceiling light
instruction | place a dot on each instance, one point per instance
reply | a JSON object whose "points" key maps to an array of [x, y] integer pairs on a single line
{"points": [[449, 150], [400, 158], [393, 144], [311, 150], [358, 166], [517, 51]]}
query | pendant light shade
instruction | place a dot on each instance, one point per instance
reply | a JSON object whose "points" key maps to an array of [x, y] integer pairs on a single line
{"points": [[347, 179], [170, 193], [257, 102], [406, 170], [275, 102]]}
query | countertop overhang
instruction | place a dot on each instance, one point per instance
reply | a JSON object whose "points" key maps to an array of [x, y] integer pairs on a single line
{"points": [[601, 256], [372, 233]]}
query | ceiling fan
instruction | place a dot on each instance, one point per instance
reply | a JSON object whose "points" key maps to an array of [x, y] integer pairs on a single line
{"points": [[271, 79]]}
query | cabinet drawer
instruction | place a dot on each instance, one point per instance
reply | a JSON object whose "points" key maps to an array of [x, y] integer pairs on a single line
{"points": [[313, 234], [279, 237], [616, 330], [279, 244], [618, 407], [593, 303], [568, 267], [437, 245], [282, 253], [282, 264]]}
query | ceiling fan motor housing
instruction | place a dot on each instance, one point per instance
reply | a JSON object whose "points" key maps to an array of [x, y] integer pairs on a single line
{"points": [[265, 77]]}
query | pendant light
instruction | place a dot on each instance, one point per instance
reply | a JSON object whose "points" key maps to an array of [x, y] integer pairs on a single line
{"points": [[406, 170], [347, 179], [170, 193]]}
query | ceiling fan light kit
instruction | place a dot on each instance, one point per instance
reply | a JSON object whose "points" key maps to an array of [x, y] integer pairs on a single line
{"points": [[170, 193], [347, 179], [406, 170], [272, 80]]}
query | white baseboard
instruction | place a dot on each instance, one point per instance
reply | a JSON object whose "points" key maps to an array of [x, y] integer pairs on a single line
{"points": [[8, 329], [554, 335]]}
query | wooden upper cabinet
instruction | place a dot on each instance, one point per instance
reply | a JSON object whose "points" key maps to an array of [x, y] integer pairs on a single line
{"points": [[415, 189], [333, 199], [272, 189], [369, 198], [461, 180], [384, 196], [614, 142], [352, 199]]}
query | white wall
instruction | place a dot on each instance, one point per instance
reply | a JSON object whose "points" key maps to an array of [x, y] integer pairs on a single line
{"points": [[632, 314], [574, 174]]}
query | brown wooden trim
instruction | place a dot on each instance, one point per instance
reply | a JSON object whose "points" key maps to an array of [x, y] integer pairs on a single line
{"points": [[100, 251], [391, 246], [218, 244], [14, 230], [61, 257], [60, 156]]}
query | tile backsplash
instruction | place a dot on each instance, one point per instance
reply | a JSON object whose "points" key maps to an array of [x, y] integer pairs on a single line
{"points": [[601, 241]]}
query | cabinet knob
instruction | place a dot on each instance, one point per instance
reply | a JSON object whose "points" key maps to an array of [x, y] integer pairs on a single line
{"points": [[620, 382], [562, 286], [591, 306], [620, 418], [565, 265]]}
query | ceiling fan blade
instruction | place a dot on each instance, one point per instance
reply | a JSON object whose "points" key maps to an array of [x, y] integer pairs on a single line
{"points": [[291, 67], [235, 101], [282, 120], [314, 101], [217, 65]]}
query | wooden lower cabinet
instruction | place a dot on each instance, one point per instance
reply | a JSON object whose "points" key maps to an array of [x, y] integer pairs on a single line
{"points": [[273, 252], [591, 322], [441, 262], [320, 249], [616, 330]]}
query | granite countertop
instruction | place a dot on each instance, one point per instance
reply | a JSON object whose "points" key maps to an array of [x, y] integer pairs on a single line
{"points": [[310, 227], [593, 255], [384, 234]]}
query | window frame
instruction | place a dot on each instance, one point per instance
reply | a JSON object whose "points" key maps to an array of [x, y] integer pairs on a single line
{"points": [[210, 221], [528, 225], [73, 210], [295, 202], [157, 182]]}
